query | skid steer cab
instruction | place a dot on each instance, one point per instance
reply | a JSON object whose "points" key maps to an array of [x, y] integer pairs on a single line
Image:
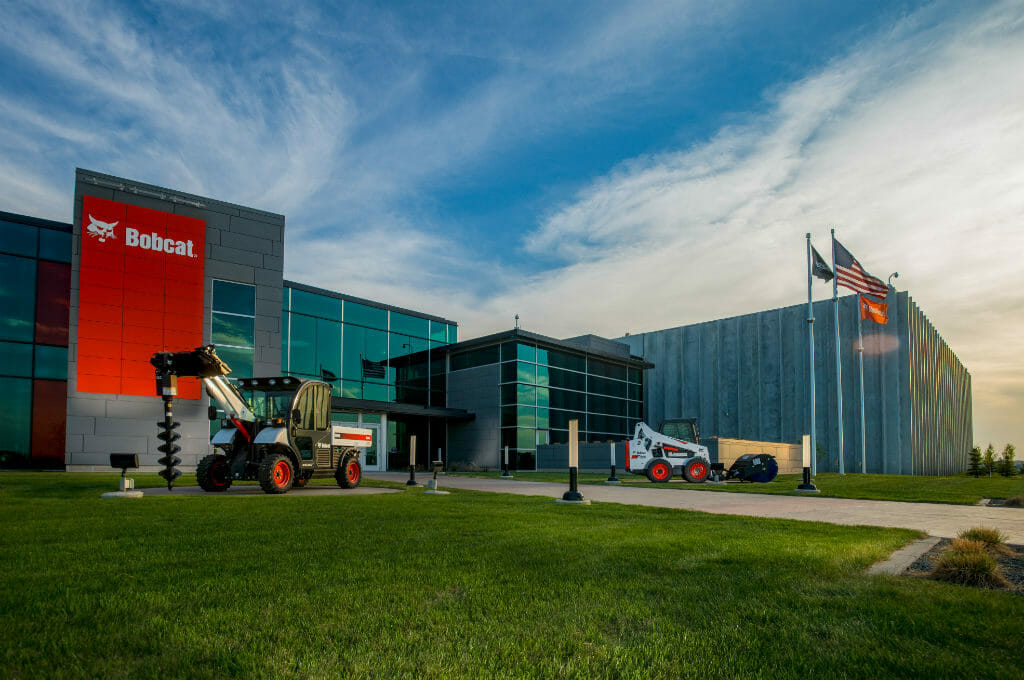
{"points": [[278, 431], [661, 457]]}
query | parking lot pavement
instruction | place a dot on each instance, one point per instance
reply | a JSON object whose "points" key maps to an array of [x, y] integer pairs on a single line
{"points": [[936, 519]]}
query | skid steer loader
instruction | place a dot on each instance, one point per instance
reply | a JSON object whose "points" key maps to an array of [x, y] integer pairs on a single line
{"points": [[276, 430]]}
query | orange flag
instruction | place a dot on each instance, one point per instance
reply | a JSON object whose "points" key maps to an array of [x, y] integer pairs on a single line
{"points": [[876, 311]]}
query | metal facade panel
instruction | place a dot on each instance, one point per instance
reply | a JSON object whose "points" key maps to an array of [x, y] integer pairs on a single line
{"points": [[747, 378]]}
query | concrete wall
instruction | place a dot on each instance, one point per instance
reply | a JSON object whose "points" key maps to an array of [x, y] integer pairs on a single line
{"points": [[475, 443], [242, 245], [747, 377]]}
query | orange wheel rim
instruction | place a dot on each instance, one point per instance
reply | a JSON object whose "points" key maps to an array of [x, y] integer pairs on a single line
{"points": [[353, 472], [282, 473], [660, 471], [698, 471]]}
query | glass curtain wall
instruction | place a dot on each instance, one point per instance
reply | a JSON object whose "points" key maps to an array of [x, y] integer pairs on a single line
{"points": [[34, 303], [543, 388], [364, 351]]}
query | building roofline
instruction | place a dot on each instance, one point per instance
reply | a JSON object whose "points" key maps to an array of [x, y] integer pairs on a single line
{"points": [[363, 301], [519, 333], [36, 222]]}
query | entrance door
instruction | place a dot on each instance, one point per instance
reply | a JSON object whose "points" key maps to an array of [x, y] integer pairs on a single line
{"points": [[371, 454]]}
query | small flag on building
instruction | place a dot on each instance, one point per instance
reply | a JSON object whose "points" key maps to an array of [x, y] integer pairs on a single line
{"points": [[820, 267], [874, 310], [850, 274]]}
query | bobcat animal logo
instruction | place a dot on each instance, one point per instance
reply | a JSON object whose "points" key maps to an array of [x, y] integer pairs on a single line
{"points": [[101, 230]]}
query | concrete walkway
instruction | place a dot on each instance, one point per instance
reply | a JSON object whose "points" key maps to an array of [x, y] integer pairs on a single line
{"points": [[936, 519]]}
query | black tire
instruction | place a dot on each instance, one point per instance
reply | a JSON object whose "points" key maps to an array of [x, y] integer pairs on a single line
{"points": [[302, 480], [696, 470], [659, 472], [277, 474], [213, 473], [349, 473]]}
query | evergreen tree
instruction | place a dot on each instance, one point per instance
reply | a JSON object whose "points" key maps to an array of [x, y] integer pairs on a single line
{"points": [[1006, 466], [974, 462], [989, 459]]}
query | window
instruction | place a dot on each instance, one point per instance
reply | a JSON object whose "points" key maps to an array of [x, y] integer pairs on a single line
{"points": [[438, 331], [233, 325], [313, 304], [51, 362], [17, 298], [474, 358], [365, 354], [364, 315], [16, 359], [15, 416], [409, 325], [18, 239], [54, 245]]}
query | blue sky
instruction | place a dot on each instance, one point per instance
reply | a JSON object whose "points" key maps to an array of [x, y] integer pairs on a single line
{"points": [[479, 160]]}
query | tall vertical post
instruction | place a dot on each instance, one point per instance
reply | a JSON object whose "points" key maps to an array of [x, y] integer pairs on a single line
{"points": [[505, 474], [412, 462], [810, 345], [860, 358], [839, 366], [612, 479], [573, 495]]}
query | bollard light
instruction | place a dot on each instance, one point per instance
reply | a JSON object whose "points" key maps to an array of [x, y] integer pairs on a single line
{"points": [[573, 495], [613, 479], [505, 474], [432, 484], [123, 461], [412, 462], [808, 485]]}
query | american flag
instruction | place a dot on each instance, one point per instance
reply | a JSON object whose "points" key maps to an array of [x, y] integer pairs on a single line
{"points": [[373, 369], [851, 275]]}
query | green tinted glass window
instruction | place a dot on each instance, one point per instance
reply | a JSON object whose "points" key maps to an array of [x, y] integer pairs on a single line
{"points": [[543, 398], [543, 418], [542, 356], [344, 417], [239, 360], [508, 372], [636, 391], [314, 304], [54, 245], [301, 355], [526, 394], [567, 379], [409, 325], [235, 298], [526, 439], [18, 239], [328, 347], [508, 393], [543, 376], [51, 362], [364, 315], [228, 329], [565, 399], [453, 333], [371, 417], [607, 386], [16, 359], [377, 392], [526, 373], [509, 416], [606, 369], [526, 352], [438, 331], [17, 298], [15, 415], [635, 375], [508, 351], [561, 359], [526, 416]]}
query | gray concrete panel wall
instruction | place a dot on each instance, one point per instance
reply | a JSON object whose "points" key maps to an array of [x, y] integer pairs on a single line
{"points": [[476, 443], [747, 377], [242, 245]]}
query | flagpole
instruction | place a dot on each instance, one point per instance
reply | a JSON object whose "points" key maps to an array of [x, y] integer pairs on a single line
{"points": [[839, 368], [860, 357], [810, 338]]}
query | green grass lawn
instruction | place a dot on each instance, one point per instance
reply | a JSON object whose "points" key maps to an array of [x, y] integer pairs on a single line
{"points": [[466, 585], [956, 489]]}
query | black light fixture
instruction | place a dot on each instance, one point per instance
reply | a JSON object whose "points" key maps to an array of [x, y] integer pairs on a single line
{"points": [[123, 461]]}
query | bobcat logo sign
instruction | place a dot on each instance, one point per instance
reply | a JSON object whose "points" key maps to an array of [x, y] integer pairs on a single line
{"points": [[101, 230]]}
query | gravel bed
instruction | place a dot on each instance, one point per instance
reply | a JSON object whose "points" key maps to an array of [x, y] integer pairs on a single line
{"points": [[1012, 566]]}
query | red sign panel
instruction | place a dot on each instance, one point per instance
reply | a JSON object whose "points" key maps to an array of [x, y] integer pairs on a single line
{"points": [[140, 291]]}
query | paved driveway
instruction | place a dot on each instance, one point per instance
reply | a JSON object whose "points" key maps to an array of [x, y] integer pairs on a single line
{"points": [[937, 519]]}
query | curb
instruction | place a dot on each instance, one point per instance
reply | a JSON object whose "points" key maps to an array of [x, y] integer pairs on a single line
{"points": [[904, 557]]}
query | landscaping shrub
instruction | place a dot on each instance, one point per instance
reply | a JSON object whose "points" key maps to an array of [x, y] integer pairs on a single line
{"points": [[967, 545], [1014, 502], [969, 569], [994, 539], [974, 466]]}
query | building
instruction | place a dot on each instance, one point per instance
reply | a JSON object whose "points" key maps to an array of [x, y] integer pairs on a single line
{"points": [[748, 377], [143, 268]]}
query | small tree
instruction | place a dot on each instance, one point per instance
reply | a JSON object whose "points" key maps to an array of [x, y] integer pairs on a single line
{"points": [[989, 459], [974, 462], [1006, 466]]}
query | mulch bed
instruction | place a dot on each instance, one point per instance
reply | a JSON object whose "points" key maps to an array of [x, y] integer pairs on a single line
{"points": [[1011, 566]]}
